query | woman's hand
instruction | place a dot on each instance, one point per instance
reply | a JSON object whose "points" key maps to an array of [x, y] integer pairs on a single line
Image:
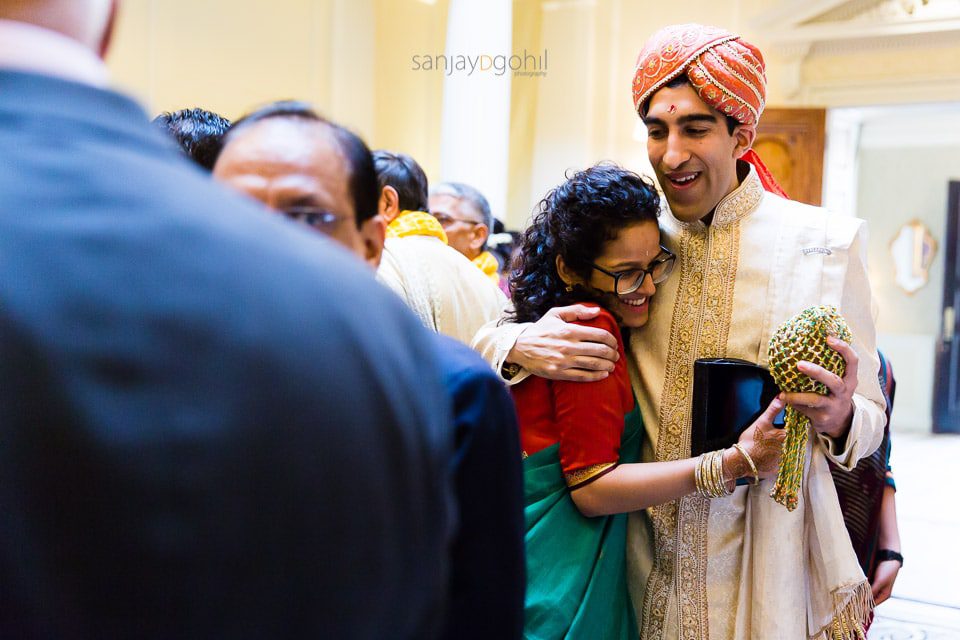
{"points": [[886, 572], [762, 441], [883, 578]]}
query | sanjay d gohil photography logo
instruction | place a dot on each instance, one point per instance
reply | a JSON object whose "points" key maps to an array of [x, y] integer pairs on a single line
{"points": [[523, 64]]}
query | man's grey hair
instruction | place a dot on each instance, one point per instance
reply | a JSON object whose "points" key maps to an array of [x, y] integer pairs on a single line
{"points": [[466, 192]]}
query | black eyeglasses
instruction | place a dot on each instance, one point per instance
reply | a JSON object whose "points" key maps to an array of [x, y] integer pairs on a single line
{"points": [[625, 282], [315, 217], [445, 220]]}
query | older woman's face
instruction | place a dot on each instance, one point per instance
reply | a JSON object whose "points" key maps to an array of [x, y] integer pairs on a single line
{"points": [[635, 247]]}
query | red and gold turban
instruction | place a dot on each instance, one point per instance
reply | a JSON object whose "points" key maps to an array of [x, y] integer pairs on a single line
{"points": [[727, 73]]}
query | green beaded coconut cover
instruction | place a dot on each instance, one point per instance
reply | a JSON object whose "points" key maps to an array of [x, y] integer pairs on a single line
{"points": [[803, 337]]}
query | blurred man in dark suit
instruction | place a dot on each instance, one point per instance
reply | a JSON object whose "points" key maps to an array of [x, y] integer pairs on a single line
{"points": [[212, 424]]}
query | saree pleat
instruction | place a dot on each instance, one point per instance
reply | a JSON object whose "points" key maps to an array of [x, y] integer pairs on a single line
{"points": [[576, 570]]}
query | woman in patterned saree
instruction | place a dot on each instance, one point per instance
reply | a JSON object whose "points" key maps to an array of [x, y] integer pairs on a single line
{"points": [[595, 242]]}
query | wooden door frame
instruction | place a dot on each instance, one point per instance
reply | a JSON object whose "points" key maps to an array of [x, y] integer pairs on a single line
{"points": [[946, 385]]}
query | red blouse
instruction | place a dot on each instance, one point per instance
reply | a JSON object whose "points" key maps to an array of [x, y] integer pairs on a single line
{"points": [[586, 418]]}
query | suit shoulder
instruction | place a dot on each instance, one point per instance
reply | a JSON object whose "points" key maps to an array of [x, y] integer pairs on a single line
{"points": [[461, 364], [840, 228], [801, 210]]}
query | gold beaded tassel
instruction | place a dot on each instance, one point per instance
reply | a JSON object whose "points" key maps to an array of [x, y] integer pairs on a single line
{"points": [[803, 337], [786, 491]]}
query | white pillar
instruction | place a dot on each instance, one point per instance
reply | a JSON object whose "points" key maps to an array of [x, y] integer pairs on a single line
{"points": [[475, 144], [840, 167]]}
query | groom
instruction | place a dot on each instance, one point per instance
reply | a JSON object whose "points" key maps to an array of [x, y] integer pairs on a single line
{"points": [[749, 259]]}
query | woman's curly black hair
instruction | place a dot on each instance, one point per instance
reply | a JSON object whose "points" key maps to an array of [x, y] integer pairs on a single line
{"points": [[575, 220]]}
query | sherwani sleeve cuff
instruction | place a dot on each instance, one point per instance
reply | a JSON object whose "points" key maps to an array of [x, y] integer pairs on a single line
{"points": [[494, 341], [861, 439]]}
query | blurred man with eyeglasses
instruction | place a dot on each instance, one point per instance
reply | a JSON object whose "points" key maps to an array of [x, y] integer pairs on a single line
{"points": [[307, 169], [319, 174]]}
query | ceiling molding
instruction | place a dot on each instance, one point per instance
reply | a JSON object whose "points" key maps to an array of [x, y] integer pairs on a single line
{"points": [[855, 30], [793, 13], [853, 93], [797, 29], [914, 42], [790, 24]]}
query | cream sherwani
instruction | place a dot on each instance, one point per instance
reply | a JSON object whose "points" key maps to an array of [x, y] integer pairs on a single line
{"points": [[743, 567], [446, 291]]}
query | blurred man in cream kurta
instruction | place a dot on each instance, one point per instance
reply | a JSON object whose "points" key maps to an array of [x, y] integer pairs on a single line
{"points": [[445, 289], [742, 566]]}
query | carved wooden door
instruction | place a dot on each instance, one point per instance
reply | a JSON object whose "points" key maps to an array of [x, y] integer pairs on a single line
{"points": [[791, 143]]}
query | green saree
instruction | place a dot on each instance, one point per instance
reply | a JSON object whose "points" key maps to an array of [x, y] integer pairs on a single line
{"points": [[576, 569]]}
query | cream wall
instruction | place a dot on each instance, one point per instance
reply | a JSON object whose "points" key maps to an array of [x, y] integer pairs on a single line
{"points": [[351, 58], [409, 103], [901, 180], [918, 69], [227, 57]]}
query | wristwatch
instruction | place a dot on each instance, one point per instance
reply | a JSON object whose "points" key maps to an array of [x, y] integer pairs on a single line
{"points": [[889, 554]]}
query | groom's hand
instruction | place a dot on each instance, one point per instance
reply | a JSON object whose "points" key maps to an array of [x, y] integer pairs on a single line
{"points": [[830, 414], [555, 349]]}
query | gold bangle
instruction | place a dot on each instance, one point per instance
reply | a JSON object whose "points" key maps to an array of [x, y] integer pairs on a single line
{"points": [[753, 467], [702, 475], [709, 488], [698, 476], [710, 468], [708, 475], [714, 485], [721, 480], [714, 481]]}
